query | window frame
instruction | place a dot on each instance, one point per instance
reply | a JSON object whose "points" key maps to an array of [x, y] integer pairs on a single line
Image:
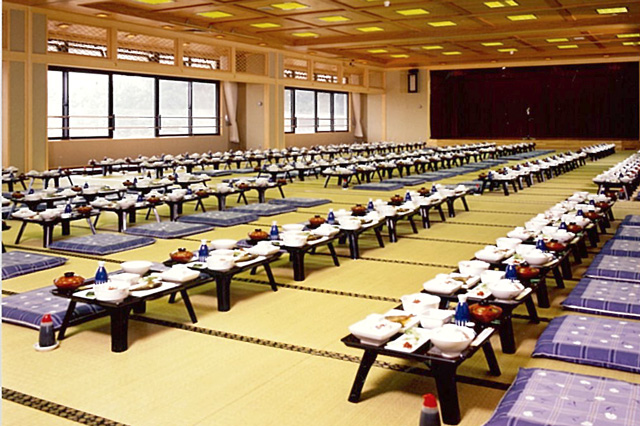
{"points": [[111, 117], [332, 93]]}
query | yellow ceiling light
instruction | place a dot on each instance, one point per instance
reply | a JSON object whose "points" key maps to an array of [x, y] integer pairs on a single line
{"points": [[634, 35], [102, 15], [334, 19], [377, 50], [443, 24], [557, 40], [130, 36], [154, 1], [306, 34], [266, 25], [612, 10], [493, 43], [631, 43], [508, 50], [63, 25], [290, 6], [567, 46], [215, 14], [433, 47], [167, 27], [370, 29], [497, 4], [527, 17], [452, 53], [400, 55], [412, 12]]}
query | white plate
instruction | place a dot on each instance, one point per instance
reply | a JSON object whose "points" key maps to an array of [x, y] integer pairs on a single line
{"points": [[410, 323], [416, 337], [470, 280], [473, 293], [439, 286]]}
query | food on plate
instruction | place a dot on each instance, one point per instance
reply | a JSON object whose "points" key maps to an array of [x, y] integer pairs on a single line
{"points": [[400, 319]]}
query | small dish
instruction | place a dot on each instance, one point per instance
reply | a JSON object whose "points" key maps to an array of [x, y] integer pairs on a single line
{"points": [[404, 318], [410, 340]]}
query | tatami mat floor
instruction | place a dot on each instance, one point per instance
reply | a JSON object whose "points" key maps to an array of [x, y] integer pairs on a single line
{"points": [[276, 357]]}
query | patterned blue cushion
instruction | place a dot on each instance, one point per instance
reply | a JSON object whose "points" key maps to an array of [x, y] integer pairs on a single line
{"points": [[300, 201], [379, 186], [628, 233], [101, 244], [16, 263], [631, 220], [614, 267], [540, 397], [28, 308], [626, 248], [265, 209], [408, 181], [601, 342], [219, 218], [167, 230], [243, 171], [213, 173], [603, 297]]}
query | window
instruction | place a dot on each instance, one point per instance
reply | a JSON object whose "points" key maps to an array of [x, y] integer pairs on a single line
{"points": [[88, 105], [112, 105], [314, 111], [133, 106]]}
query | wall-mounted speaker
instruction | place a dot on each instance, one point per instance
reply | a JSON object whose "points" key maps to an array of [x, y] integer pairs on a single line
{"points": [[412, 81]]}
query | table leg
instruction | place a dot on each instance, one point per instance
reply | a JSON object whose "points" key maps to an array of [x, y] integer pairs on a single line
{"points": [[558, 277], [464, 203], [140, 308], [223, 290], [490, 355], [531, 310], [378, 231], [450, 208], [566, 268], [367, 361], [188, 305], [272, 281], [507, 339], [66, 320], [47, 234], [413, 224], [391, 226], [354, 250], [119, 329], [281, 191], [261, 196], [20, 231], [297, 257], [445, 375], [441, 213], [332, 250], [542, 294]]}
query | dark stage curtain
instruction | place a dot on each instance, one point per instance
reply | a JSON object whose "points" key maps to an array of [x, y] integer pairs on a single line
{"points": [[575, 101]]}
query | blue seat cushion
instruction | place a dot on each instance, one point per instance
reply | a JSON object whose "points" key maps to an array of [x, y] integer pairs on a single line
{"points": [[628, 233], [16, 263], [167, 230], [601, 342], [265, 209], [28, 308], [625, 248], [605, 297], [409, 180], [541, 397], [101, 244], [614, 267], [300, 201], [379, 186], [219, 218], [213, 173], [631, 220]]}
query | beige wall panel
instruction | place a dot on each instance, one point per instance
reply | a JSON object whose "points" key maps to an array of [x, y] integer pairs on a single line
{"points": [[39, 33], [241, 116], [318, 139], [17, 30], [39, 117], [374, 123], [254, 116], [407, 113], [17, 115], [78, 152], [5, 114]]}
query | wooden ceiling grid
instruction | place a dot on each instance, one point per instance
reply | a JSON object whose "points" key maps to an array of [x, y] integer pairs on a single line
{"points": [[400, 33]]}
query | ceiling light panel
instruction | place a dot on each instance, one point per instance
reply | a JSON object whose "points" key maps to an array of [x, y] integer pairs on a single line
{"points": [[634, 35], [154, 1], [370, 29], [306, 34], [527, 17], [557, 40], [452, 53], [433, 47], [215, 14], [290, 6], [612, 10], [334, 19], [412, 12], [492, 43], [266, 25], [399, 55], [567, 46], [443, 24]]}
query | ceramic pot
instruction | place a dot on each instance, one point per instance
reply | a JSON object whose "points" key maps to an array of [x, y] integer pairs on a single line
{"points": [[69, 281], [485, 313], [316, 221], [182, 255], [358, 210], [258, 235]]}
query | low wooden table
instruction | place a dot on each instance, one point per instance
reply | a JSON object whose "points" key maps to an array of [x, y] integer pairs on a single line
{"points": [[424, 212], [451, 200], [443, 370], [392, 222], [223, 279], [297, 254], [120, 311], [131, 212], [49, 225], [352, 236]]}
